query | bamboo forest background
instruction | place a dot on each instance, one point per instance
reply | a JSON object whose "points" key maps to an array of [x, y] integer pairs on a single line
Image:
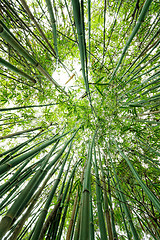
{"points": [[79, 119]]}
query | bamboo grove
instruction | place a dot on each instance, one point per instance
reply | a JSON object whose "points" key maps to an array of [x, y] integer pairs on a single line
{"points": [[79, 119]]}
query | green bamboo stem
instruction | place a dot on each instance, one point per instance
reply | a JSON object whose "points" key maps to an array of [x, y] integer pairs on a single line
{"points": [[80, 31], [155, 75], [125, 224], [125, 207], [70, 18], [139, 65], [43, 214], [77, 229], [75, 218], [5, 167], [44, 172], [53, 24], [17, 181], [30, 106], [141, 54], [13, 178], [50, 219], [143, 67], [13, 150], [112, 211], [146, 72], [107, 211], [92, 231], [59, 213], [24, 3], [72, 217], [135, 30], [15, 69], [101, 221], [114, 24], [89, 31], [15, 185], [64, 216], [11, 9], [14, 43], [30, 208], [65, 177], [6, 221], [19, 133], [74, 211], [84, 229], [148, 100]]}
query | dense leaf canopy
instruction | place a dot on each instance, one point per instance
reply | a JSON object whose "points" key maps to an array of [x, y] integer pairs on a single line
{"points": [[79, 119]]}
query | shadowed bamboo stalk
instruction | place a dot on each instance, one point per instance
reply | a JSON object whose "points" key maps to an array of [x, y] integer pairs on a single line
{"points": [[29, 190], [135, 30], [74, 211], [30, 208], [151, 196], [16, 70], [61, 227], [77, 228], [53, 24], [50, 219], [61, 190], [7, 220], [19, 133], [79, 25], [30, 106], [101, 222], [123, 200], [59, 213], [129, 235], [91, 222], [112, 211], [5, 167], [84, 224], [24, 3], [5, 34], [42, 216], [107, 212], [13, 178]]}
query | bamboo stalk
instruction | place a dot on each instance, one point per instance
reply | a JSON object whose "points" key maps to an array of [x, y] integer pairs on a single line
{"points": [[30, 208], [39, 224], [30, 106], [5, 167], [73, 212], [84, 224], [107, 212], [6, 221], [59, 213], [24, 3], [14, 43], [19, 133], [92, 231], [53, 24], [102, 227], [16, 70], [125, 207], [135, 30]]}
